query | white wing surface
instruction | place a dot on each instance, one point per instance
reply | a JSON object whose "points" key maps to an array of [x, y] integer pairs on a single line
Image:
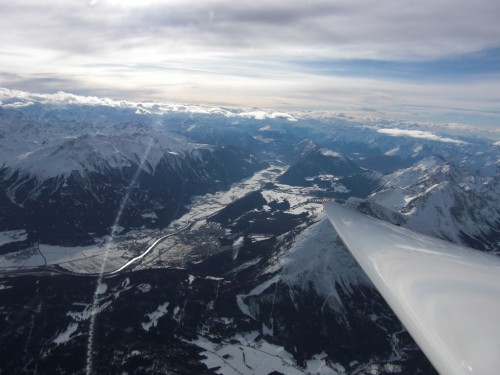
{"points": [[447, 296]]}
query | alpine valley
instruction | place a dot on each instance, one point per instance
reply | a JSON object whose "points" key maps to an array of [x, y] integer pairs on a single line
{"points": [[151, 238]]}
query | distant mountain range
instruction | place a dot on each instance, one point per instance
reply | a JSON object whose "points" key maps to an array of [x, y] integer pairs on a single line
{"points": [[249, 276]]}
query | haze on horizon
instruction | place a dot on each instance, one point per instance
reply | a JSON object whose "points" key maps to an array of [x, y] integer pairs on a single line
{"points": [[433, 60]]}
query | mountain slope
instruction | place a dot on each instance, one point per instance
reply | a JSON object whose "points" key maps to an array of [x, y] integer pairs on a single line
{"points": [[241, 280], [66, 182], [437, 199], [318, 161]]}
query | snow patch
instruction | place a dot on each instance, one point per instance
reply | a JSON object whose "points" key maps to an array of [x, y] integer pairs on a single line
{"points": [[259, 358], [214, 278], [254, 292], [339, 188], [5, 287], [86, 313], [318, 365], [65, 336], [259, 237], [10, 236], [237, 246], [327, 152], [154, 316], [149, 215], [144, 288], [392, 152], [243, 354]]}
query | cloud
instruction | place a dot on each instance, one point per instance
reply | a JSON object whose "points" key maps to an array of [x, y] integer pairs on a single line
{"points": [[385, 125], [418, 134], [21, 98], [18, 98], [362, 29], [252, 53]]}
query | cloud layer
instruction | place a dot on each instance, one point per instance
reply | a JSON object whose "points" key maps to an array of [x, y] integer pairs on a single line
{"points": [[393, 127], [386, 30], [418, 134], [276, 54]]}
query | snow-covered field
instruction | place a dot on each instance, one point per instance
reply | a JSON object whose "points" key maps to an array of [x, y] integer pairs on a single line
{"points": [[172, 251], [246, 354], [49, 255], [10, 236], [206, 205]]}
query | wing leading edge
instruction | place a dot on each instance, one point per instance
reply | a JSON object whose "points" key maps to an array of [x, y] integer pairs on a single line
{"points": [[447, 296]]}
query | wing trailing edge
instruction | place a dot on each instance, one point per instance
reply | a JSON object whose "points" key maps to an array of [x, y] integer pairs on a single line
{"points": [[447, 296]]}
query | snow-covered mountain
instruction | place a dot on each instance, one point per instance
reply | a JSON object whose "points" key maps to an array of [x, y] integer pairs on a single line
{"points": [[436, 198], [224, 261], [317, 259], [64, 178], [319, 161]]}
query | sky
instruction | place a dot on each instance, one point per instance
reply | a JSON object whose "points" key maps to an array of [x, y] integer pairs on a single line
{"points": [[427, 61]]}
